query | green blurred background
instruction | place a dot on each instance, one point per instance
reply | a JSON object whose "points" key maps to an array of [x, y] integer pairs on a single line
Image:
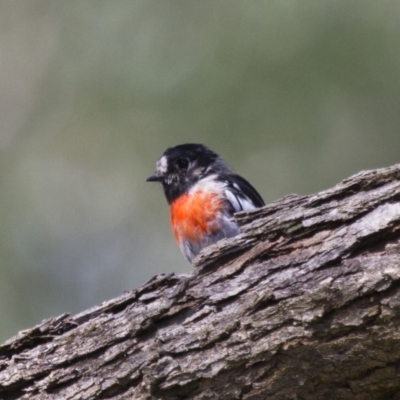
{"points": [[295, 95]]}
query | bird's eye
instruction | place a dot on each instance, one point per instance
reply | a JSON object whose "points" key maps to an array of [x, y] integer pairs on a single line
{"points": [[182, 163]]}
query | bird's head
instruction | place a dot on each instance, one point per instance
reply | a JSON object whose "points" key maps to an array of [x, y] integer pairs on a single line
{"points": [[181, 167]]}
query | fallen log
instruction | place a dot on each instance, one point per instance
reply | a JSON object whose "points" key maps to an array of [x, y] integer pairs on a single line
{"points": [[303, 304]]}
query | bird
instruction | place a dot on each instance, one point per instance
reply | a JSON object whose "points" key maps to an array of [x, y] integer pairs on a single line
{"points": [[203, 194]]}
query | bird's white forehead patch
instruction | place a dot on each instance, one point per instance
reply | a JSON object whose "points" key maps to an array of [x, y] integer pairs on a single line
{"points": [[162, 165]]}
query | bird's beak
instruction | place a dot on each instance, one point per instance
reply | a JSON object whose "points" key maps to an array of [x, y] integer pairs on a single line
{"points": [[154, 178]]}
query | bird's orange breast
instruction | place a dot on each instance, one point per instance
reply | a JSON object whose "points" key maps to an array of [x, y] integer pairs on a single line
{"points": [[194, 215]]}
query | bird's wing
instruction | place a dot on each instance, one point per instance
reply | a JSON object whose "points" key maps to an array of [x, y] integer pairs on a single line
{"points": [[241, 194]]}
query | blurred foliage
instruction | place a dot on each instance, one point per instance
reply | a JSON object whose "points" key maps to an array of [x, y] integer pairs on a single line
{"points": [[294, 95]]}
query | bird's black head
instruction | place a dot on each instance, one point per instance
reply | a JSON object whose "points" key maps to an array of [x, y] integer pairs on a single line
{"points": [[181, 167]]}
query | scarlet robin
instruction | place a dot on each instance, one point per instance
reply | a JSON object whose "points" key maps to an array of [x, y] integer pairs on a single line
{"points": [[203, 194]]}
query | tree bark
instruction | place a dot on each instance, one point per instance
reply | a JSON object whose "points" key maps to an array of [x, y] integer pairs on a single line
{"points": [[303, 304]]}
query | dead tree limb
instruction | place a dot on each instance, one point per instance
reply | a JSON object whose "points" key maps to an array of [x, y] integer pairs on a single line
{"points": [[304, 304]]}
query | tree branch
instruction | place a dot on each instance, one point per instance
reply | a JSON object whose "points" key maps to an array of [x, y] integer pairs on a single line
{"points": [[304, 304]]}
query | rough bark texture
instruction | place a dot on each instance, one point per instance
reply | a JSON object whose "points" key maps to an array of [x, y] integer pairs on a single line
{"points": [[304, 304]]}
